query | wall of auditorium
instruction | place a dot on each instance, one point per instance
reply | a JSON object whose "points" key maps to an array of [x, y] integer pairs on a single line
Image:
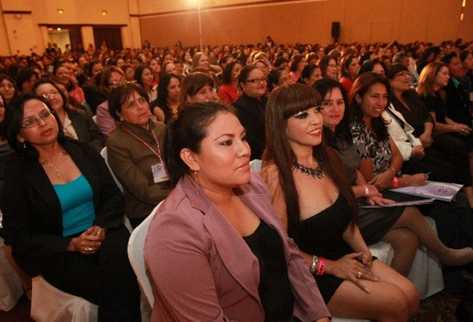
{"points": [[21, 21], [240, 21]]}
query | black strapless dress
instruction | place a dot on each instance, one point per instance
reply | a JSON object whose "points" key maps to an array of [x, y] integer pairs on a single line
{"points": [[321, 235]]}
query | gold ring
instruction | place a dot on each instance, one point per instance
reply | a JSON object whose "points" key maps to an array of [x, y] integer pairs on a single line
{"points": [[359, 275]]}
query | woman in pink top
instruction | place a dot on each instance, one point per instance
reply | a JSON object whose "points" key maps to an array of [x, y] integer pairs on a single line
{"points": [[215, 250], [228, 91]]}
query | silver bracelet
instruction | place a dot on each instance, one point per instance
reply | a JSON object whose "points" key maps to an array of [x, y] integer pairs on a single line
{"points": [[313, 266]]}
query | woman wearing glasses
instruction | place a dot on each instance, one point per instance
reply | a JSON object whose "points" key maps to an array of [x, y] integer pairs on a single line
{"points": [[75, 124], [251, 106], [63, 213]]}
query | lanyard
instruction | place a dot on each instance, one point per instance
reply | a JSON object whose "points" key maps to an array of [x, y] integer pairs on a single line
{"points": [[155, 151]]}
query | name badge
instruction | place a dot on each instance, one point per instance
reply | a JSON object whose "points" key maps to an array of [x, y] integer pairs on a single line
{"points": [[159, 173]]}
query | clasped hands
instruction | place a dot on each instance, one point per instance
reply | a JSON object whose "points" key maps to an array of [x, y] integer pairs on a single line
{"points": [[88, 242]]}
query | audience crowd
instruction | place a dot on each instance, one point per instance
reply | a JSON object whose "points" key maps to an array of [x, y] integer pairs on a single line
{"points": [[92, 140]]}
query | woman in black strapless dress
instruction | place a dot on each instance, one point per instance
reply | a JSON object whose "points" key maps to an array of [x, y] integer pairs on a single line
{"points": [[313, 199]]}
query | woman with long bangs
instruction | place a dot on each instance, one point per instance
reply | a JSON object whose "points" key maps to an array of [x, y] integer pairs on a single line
{"points": [[219, 225], [315, 203]]}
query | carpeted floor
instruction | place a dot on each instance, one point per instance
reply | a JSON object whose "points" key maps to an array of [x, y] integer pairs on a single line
{"points": [[438, 308]]}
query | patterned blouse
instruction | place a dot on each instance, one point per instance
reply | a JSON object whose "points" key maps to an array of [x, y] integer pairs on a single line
{"points": [[369, 147]]}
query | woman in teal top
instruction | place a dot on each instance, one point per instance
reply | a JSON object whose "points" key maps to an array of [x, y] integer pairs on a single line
{"points": [[63, 214], [78, 213]]}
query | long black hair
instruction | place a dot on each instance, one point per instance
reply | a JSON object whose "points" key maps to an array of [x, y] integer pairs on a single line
{"points": [[359, 89], [283, 103]]}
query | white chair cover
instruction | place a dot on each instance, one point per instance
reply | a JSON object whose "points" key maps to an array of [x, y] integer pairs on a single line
{"points": [[49, 304], [136, 255], [11, 288], [104, 155]]}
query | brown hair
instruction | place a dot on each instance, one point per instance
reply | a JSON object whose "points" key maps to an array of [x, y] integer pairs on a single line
{"points": [[427, 78], [283, 103]]}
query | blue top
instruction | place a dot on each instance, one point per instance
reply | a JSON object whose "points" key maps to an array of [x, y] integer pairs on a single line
{"points": [[77, 204]]}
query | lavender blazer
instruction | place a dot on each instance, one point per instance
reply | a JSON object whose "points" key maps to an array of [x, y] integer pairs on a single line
{"points": [[202, 269]]}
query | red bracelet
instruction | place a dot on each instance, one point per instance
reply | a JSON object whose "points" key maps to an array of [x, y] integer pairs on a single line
{"points": [[321, 266], [396, 183]]}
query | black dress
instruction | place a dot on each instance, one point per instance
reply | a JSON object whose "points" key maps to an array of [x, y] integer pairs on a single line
{"points": [[321, 235], [274, 287], [373, 223]]}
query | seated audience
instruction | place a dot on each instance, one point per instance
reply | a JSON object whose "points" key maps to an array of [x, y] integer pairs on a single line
{"points": [[166, 106], [317, 207], [350, 69], [135, 152], [329, 67], [401, 227], [76, 125], [198, 88], [411, 126], [218, 221], [110, 78], [63, 213], [7, 88], [144, 76], [310, 74], [251, 107], [228, 91], [381, 162]]}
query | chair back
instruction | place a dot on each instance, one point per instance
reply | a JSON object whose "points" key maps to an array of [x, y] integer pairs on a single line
{"points": [[136, 245], [104, 155]]}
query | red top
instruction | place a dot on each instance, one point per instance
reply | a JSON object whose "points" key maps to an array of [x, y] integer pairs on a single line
{"points": [[347, 84], [228, 93]]}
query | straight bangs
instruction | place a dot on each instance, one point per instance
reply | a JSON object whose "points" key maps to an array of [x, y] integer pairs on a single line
{"points": [[297, 98]]}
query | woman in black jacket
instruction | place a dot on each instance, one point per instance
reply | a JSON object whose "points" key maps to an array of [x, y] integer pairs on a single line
{"points": [[63, 214]]}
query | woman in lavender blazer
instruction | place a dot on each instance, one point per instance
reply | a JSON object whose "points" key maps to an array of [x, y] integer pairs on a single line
{"points": [[215, 250]]}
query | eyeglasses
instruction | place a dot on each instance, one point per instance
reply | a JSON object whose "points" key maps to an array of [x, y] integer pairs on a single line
{"points": [[256, 81], [36, 120]]}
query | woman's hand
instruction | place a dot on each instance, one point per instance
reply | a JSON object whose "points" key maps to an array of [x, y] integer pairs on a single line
{"points": [[461, 129], [418, 179], [418, 151], [371, 191], [366, 258], [380, 201], [88, 242], [383, 180], [351, 267]]}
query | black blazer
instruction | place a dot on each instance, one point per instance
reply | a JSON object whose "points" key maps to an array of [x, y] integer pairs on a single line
{"points": [[32, 211], [86, 129], [251, 113]]}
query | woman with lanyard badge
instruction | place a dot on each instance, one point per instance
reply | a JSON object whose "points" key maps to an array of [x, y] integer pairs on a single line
{"points": [[134, 152]]}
